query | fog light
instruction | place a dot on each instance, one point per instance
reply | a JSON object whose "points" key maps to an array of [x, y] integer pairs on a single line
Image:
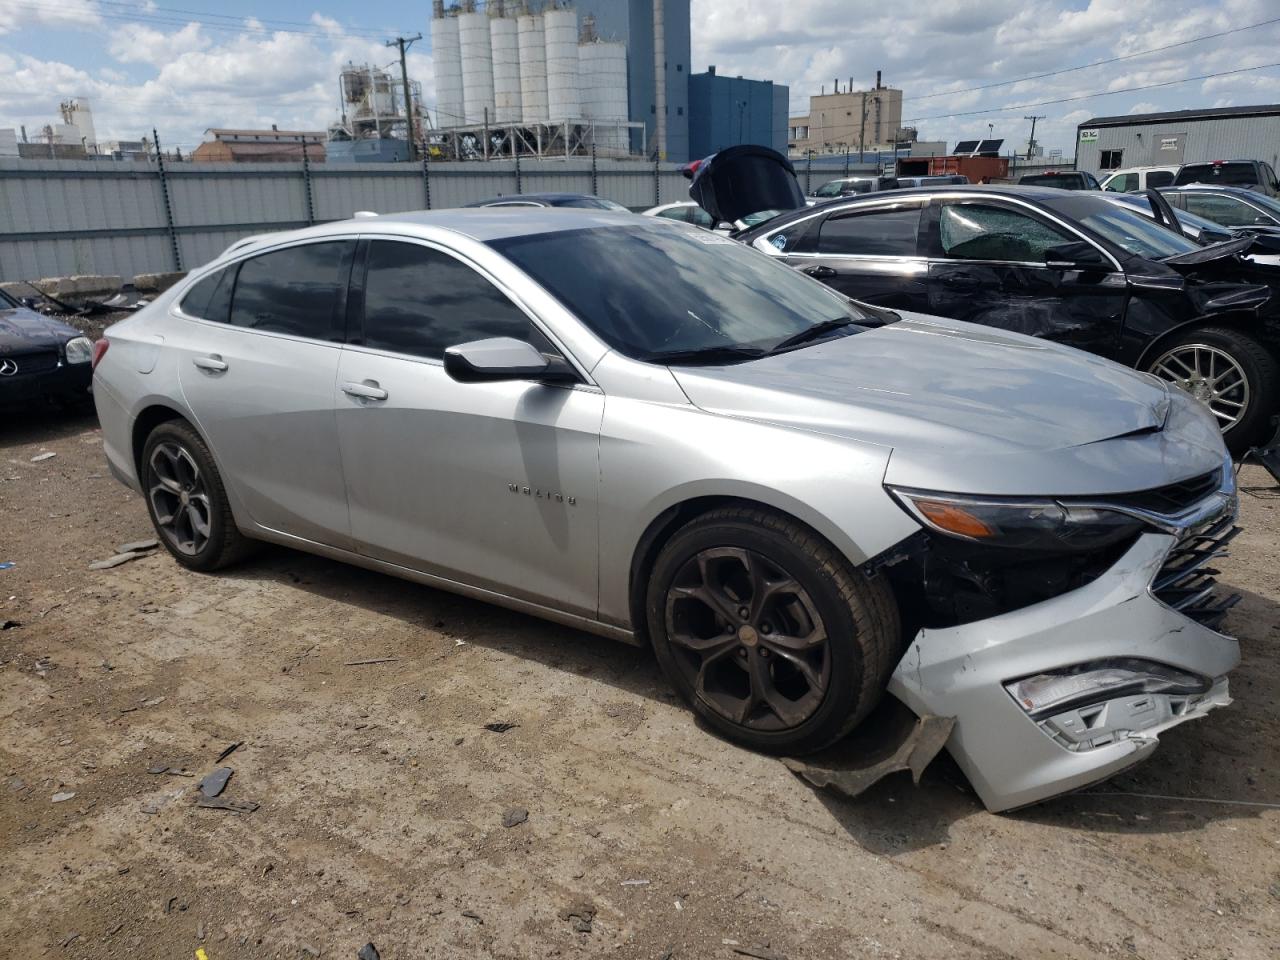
{"points": [[1098, 681]]}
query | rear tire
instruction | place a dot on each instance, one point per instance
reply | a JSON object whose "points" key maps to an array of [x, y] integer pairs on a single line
{"points": [[1231, 373], [187, 500], [768, 632]]}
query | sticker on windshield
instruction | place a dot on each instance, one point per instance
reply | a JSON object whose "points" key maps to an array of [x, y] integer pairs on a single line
{"points": [[713, 238], [779, 241]]}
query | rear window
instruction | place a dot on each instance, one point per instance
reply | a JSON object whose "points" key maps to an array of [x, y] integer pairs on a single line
{"points": [[1064, 181], [210, 298], [1237, 174], [1159, 178]]}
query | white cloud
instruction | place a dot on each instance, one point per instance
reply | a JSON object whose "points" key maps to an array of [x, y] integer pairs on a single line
{"points": [[71, 14]]}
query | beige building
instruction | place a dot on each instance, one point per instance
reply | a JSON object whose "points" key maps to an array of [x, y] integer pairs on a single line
{"points": [[848, 120]]}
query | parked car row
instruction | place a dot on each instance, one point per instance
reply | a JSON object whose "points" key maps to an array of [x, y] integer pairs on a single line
{"points": [[805, 498]]}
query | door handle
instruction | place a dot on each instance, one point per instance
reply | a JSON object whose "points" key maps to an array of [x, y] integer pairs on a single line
{"points": [[820, 272], [213, 363], [964, 281], [369, 390]]}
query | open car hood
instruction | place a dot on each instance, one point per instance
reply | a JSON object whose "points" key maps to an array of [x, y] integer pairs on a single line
{"points": [[743, 180], [1218, 251]]}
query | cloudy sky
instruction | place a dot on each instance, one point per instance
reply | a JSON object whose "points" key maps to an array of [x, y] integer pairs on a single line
{"points": [[185, 65]]}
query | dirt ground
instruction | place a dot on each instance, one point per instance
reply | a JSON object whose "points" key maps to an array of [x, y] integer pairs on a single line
{"points": [[382, 795]]}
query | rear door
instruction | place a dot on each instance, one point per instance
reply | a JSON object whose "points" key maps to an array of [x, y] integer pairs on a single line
{"points": [[490, 484], [258, 360], [987, 265], [869, 252]]}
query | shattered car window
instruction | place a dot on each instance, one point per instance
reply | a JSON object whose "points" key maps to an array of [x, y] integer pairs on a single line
{"points": [[975, 231]]}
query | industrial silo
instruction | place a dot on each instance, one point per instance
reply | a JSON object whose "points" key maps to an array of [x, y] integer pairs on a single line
{"points": [[506, 70], [446, 60], [477, 66], [532, 44], [561, 28], [604, 91]]}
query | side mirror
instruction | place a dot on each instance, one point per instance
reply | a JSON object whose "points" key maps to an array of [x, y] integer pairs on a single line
{"points": [[1074, 256], [503, 358]]}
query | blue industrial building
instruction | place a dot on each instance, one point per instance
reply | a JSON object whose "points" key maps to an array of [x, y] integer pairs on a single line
{"points": [[724, 111], [631, 22]]}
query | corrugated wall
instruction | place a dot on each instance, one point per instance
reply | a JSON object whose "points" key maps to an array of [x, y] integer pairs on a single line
{"points": [[62, 217], [1224, 138]]}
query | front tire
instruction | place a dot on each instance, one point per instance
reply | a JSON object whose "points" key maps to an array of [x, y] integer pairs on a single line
{"points": [[1234, 375], [187, 500], [768, 632]]}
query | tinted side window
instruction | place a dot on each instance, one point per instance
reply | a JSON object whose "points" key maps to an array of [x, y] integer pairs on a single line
{"points": [[975, 231], [1227, 211], [419, 301], [874, 233], [299, 290], [210, 299], [1159, 178]]}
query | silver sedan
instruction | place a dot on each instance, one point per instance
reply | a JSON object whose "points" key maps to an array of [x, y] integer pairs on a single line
{"points": [[654, 434]]}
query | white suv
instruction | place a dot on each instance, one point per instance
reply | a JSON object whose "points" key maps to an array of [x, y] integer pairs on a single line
{"points": [[1135, 179]]}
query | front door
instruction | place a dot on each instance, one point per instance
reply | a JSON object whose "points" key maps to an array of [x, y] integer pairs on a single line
{"points": [[489, 484], [258, 359], [988, 266], [869, 252]]}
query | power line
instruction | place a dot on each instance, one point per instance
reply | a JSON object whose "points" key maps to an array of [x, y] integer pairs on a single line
{"points": [[1091, 96], [1095, 63]]}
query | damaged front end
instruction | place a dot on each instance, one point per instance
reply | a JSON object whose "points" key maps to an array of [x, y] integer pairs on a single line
{"points": [[1062, 665]]}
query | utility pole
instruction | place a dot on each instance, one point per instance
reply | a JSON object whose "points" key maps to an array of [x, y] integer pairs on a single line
{"points": [[404, 43], [1031, 141]]}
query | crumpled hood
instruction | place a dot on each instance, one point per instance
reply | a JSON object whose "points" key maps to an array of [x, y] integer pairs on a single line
{"points": [[992, 411], [22, 330]]}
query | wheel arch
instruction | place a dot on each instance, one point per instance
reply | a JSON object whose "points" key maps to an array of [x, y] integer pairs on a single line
{"points": [[1246, 323], [146, 421], [675, 516]]}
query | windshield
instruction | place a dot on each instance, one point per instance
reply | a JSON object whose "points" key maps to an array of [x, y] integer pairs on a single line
{"points": [[829, 189], [1126, 229], [1233, 173], [1141, 205], [1270, 204], [656, 288]]}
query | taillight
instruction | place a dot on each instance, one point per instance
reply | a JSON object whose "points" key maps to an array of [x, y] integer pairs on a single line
{"points": [[99, 351]]}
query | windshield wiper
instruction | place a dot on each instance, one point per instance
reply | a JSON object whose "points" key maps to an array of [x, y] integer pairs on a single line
{"points": [[809, 334], [706, 355]]}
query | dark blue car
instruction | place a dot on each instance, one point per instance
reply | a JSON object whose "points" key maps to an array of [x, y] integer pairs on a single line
{"points": [[43, 361]]}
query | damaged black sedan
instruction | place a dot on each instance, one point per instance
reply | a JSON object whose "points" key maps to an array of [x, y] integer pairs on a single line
{"points": [[1067, 266]]}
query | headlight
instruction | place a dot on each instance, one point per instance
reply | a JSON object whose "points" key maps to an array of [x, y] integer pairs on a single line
{"points": [[79, 350], [1017, 523], [1047, 693]]}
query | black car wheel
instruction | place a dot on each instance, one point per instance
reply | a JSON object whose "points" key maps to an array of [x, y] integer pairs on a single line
{"points": [[187, 501], [775, 640], [1234, 375]]}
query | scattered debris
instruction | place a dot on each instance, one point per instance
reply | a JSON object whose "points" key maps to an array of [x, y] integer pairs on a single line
{"points": [[216, 782], [903, 742], [137, 546], [362, 663], [582, 913], [10, 625], [368, 952], [200, 931], [154, 701], [500, 727], [760, 953], [222, 803], [159, 768], [472, 915], [115, 561], [229, 751], [7, 565], [168, 904], [515, 816], [635, 883], [69, 940], [309, 950], [60, 797], [40, 457]]}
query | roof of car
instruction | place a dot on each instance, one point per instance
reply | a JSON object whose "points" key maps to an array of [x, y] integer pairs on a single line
{"points": [[1219, 187], [479, 223], [551, 198]]}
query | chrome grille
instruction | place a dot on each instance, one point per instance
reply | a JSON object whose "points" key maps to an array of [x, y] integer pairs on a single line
{"points": [[1186, 581]]}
